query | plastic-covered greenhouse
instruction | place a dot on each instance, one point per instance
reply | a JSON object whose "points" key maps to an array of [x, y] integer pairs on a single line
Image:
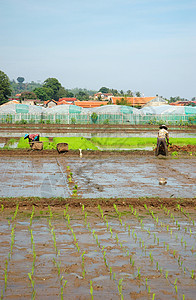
{"points": [[107, 114]]}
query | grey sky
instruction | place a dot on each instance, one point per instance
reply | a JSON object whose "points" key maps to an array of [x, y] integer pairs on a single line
{"points": [[148, 46]]}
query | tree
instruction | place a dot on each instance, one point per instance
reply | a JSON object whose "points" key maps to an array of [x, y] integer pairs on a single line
{"points": [[129, 93], [122, 101], [82, 96], [5, 88], [27, 95], [138, 94], [62, 92], [54, 85], [20, 79], [104, 90], [44, 93], [94, 117]]}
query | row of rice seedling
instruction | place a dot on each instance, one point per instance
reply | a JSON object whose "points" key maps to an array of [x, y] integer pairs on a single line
{"points": [[125, 249], [103, 252], [177, 256], [168, 227], [56, 259], [7, 261], [174, 284]]}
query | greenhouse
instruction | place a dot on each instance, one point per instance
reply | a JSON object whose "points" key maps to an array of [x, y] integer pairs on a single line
{"points": [[107, 114]]}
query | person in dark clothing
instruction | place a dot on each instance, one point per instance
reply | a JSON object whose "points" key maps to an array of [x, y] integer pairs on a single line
{"points": [[162, 137]]}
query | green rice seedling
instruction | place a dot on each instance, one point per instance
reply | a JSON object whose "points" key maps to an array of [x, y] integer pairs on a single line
{"points": [[91, 289], [74, 192], [2, 207], [138, 273], [68, 168], [5, 279], [83, 273], [82, 207], [176, 289], [111, 232], [125, 225], [114, 276], [149, 289], [15, 213], [117, 240], [192, 274], [78, 248], [120, 288], [62, 288], [110, 272], [133, 263], [85, 217], [50, 211], [151, 257], [166, 274], [153, 296]]}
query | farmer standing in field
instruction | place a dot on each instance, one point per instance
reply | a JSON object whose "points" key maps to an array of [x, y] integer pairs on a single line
{"points": [[163, 135]]}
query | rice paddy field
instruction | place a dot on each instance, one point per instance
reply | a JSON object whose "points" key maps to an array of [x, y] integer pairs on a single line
{"points": [[97, 226], [96, 143], [105, 252]]}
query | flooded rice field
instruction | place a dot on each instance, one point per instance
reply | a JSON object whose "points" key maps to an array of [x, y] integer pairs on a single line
{"points": [[98, 253], [115, 176], [10, 134]]}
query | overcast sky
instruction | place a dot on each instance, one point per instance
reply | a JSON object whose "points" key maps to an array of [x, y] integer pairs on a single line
{"points": [[141, 45]]}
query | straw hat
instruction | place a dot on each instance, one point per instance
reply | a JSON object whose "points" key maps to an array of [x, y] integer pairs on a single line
{"points": [[163, 127]]}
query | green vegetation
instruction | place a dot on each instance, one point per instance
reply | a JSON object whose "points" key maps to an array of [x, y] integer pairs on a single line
{"points": [[75, 143], [183, 141], [24, 144], [124, 142]]}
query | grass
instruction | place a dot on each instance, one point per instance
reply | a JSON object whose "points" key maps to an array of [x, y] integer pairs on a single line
{"points": [[24, 143], [133, 142], [124, 142], [75, 143]]}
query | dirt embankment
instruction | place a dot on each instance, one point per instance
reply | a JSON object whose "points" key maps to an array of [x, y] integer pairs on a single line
{"points": [[28, 202]]}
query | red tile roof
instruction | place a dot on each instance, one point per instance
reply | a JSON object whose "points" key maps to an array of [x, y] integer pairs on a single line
{"points": [[134, 100], [67, 99], [88, 104]]}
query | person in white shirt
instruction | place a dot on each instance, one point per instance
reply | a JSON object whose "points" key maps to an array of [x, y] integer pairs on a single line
{"points": [[163, 135]]}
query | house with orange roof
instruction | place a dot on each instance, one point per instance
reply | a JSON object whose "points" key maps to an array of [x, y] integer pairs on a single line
{"points": [[103, 96], [181, 103], [50, 103], [66, 101], [63, 102], [89, 104], [133, 101]]}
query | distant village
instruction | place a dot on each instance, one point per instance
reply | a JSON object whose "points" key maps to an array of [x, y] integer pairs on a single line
{"points": [[101, 99]]}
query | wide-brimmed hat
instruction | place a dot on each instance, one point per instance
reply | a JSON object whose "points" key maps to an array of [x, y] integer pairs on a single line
{"points": [[163, 126]]}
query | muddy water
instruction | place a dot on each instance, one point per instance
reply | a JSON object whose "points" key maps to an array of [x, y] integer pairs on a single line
{"points": [[151, 257], [111, 177], [102, 134]]}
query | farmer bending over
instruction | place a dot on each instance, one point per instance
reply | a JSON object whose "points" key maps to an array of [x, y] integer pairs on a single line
{"points": [[163, 135], [32, 137]]}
